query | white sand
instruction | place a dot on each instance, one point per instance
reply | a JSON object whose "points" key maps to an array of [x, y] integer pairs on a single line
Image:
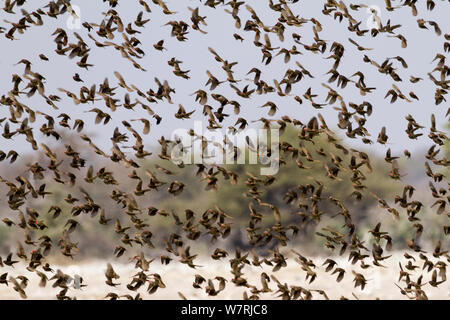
{"points": [[179, 278]]}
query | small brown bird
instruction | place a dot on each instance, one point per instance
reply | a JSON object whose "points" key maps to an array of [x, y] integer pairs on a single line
{"points": [[110, 275]]}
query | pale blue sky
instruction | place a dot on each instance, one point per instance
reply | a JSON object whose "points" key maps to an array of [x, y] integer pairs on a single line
{"points": [[422, 47]]}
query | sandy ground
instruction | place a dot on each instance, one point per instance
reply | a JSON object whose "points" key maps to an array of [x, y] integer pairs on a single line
{"points": [[179, 278]]}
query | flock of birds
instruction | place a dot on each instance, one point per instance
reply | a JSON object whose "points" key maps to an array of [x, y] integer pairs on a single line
{"points": [[134, 226]]}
